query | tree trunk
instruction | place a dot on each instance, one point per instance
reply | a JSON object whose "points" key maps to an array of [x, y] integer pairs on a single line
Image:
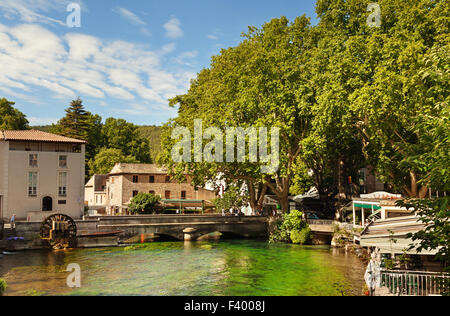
{"points": [[284, 201]]}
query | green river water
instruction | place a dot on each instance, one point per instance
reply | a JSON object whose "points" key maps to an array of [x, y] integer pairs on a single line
{"points": [[231, 268]]}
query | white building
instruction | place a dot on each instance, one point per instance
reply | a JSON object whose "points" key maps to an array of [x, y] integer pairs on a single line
{"points": [[40, 174]]}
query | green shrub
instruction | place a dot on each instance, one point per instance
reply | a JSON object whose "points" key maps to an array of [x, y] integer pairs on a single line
{"points": [[3, 286], [291, 228], [144, 203], [301, 237]]}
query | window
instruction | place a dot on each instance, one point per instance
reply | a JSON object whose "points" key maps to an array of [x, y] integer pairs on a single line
{"points": [[135, 193], [152, 179], [152, 192], [33, 160], [62, 184], [62, 202], [63, 161], [135, 179], [167, 179], [183, 195], [32, 183], [167, 195]]}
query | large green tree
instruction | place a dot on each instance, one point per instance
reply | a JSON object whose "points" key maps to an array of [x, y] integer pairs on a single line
{"points": [[120, 134], [81, 124], [344, 95], [106, 159], [259, 83], [381, 79], [10, 117]]}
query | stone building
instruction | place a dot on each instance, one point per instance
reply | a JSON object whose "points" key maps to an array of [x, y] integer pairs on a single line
{"points": [[95, 193], [126, 180], [40, 174]]}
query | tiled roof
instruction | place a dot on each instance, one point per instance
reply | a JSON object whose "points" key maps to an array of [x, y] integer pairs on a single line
{"points": [[134, 168], [37, 136]]}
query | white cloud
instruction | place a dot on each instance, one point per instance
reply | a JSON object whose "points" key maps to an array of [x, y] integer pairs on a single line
{"points": [[32, 57], [169, 48], [129, 16], [133, 19], [213, 37], [186, 58], [173, 28], [35, 11]]}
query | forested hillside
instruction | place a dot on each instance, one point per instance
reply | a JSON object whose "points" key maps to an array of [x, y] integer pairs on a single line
{"points": [[151, 132]]}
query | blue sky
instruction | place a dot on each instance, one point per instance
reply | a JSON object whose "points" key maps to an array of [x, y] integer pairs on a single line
{"points": [[126, 59]]}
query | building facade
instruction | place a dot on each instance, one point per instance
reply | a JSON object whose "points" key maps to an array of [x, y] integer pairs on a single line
{"points": [[95, 193], [40, 174], [127, 180]]}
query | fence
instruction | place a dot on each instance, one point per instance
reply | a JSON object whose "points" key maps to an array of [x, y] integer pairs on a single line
{"points": [[412, 283]]}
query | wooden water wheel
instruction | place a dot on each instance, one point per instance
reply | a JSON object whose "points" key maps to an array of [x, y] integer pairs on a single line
{"points": [[60, 231]]}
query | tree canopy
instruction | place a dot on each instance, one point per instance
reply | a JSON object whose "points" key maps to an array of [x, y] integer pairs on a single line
{"points": [[120, 134], [106, 159], [10, 117], [343, 94], [108, 143]]}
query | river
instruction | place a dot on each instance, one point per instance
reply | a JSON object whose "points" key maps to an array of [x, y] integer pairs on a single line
{"points": [[231, 268]]}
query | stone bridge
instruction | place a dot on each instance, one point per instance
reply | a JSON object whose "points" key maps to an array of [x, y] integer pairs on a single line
{"points": [[175, 226]]}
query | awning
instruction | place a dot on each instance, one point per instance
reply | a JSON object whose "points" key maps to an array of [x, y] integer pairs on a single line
{"points": [[367, 206]]}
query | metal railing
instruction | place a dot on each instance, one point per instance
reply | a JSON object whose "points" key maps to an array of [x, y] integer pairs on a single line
{"points": [[375, 216], [324, 222], [415, 283]]}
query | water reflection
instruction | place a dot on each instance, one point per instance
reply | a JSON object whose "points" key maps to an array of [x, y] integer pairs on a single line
{"points": [[236, 268]]}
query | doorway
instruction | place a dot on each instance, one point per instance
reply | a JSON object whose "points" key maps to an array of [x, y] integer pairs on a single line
{"points": [[47, 204]]}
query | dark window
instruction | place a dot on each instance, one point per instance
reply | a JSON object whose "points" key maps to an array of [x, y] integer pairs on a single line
{"points": [[183, 195], [152, 179], [47, 204], [62, 202], [167, 179], [152, 192], [167, 195], [135, 179], [135, 193]]}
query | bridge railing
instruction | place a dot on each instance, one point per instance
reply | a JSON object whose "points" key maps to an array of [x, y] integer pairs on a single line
{"points": [[320, 222], [415, 283]]}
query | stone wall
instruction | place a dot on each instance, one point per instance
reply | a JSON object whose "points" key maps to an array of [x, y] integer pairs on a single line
{"points": [[172, 225]]}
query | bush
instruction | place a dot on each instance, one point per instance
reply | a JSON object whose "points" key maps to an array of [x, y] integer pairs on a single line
{"points": [[301, 237], [144, 203], [292, 228], [3, 286]]}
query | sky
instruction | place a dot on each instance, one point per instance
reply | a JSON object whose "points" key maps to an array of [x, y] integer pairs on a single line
{"points": [[126, 58]]}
